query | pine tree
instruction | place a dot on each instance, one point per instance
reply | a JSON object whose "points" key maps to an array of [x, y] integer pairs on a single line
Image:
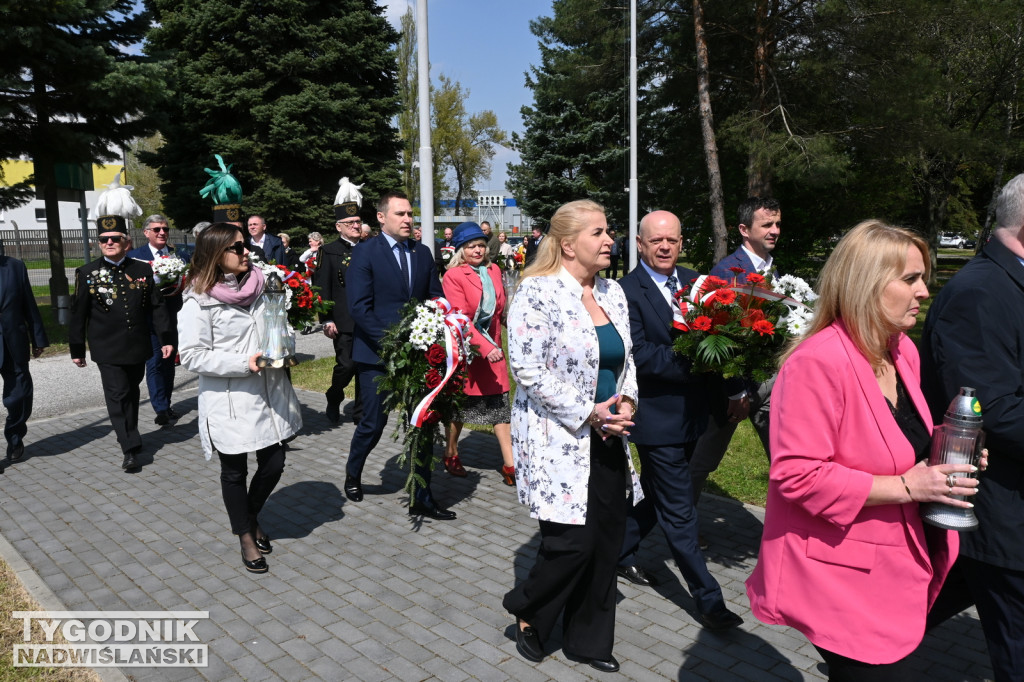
{"points": [[70, 93], [575, 144], [294, 93]]}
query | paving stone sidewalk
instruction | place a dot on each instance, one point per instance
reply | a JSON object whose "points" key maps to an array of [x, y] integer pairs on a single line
{"points": [[358, 591]]}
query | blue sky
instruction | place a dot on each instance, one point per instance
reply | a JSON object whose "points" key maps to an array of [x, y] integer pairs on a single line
{"points": [[487, 46]]}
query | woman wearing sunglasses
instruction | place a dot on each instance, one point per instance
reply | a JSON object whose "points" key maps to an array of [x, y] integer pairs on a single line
{"points": [[242, 408]]}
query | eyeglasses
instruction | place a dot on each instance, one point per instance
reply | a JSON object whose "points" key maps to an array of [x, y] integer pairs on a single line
{"points": [[160, 229], [238, 248], [116, 238], [347, 223]]}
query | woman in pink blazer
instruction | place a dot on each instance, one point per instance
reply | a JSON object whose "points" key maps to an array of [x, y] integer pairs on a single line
{"points": [[474, 285], [845, 558]]}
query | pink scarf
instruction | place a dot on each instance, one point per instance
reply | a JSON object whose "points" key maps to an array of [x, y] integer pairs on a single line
{"points": [[242, 292]]}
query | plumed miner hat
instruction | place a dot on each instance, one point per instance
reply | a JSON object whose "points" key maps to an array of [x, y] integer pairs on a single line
{"points": [[115, 207]]}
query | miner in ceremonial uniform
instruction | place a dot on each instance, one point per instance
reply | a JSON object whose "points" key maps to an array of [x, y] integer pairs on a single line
{"points": [[115, 297], [329, 276]]}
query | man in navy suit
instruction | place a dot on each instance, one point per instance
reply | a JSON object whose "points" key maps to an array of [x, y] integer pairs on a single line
{"points": [[974, 336], [19, 323], [385, 273], [160, 370], [669, 419], [760, 220], [271, 247]]}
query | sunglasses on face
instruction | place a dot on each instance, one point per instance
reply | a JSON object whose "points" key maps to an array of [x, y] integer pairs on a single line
{"points": [[116, 238], [160, 229], [238, 248]]}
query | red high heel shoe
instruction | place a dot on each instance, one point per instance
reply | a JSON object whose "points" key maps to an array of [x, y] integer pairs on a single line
{"points": [[454, 467], [509, 475]]}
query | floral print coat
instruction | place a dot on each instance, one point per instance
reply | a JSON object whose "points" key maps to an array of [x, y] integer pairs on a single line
{"points": [[553, 352]]}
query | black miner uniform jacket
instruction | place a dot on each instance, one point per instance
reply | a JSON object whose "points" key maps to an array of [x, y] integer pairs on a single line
{"points": [[110, 308], [330, 277]]}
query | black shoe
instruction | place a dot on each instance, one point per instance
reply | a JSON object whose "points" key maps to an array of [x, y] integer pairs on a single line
{"points": [[130, 463], [162, 418], [702, 542], [353, 489], [609, 666], [256, 565], [720, 619], [431, 510], [528, 643], [333, 413], [264, 546], [172, 414], [636, 575], [16, 453]]}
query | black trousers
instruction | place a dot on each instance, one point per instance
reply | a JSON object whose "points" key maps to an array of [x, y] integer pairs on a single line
{"points": [[669, 501], [843, 669], [998, 593], [243, 505], [344, 371], [121, 394], [371, 427], [17, 398], [574, 574]]}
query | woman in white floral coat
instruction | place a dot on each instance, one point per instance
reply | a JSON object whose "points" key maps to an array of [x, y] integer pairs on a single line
{"points": [[570, 353]]}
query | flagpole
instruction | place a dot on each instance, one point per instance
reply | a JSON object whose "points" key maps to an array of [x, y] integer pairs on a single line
{"points": [[426, 157], [633, 184]]}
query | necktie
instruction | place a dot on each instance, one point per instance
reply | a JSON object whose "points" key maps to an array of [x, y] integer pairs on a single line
{"points": [[404, 264], [672, 284]]}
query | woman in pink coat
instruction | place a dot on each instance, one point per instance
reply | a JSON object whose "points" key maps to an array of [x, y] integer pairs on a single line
{"points": [[474, 285], [845, 558]]}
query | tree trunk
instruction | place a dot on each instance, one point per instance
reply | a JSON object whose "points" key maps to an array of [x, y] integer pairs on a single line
{"points": [[707, 126], [46, 183], [759, 182]]}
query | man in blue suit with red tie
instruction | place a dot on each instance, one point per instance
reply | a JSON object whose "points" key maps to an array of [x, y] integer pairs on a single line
{"points": [[385, 273], [20, 324], [670, 417]]}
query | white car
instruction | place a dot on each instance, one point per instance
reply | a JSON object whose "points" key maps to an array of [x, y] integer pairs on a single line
{"points": [[950, 240]]}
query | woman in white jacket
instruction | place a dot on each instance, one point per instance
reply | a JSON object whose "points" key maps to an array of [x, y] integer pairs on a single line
{"points": [[242, 408], [570, 353]]}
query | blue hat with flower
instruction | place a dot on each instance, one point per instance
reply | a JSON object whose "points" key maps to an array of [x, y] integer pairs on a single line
{"points": [[465, 233]]}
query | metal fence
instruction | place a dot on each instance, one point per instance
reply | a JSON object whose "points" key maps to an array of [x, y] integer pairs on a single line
{"points": [[34, 245]]}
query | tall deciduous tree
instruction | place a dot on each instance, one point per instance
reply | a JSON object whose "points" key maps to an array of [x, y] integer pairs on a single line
{"points": [[464, 143], [70, 92], [408, 95], [142, 177], [294, 93]]}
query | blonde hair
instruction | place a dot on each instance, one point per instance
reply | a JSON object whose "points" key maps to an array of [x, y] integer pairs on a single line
{"points": [[566, 225], [850, 286], [459, 259]]}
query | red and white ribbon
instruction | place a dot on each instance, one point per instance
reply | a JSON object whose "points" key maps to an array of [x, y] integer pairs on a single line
{"points": [[748, 289], [455, 325]]}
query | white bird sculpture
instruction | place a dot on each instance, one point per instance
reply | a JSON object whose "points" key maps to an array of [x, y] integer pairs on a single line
{"points": [[116, 200], [348, 192]]}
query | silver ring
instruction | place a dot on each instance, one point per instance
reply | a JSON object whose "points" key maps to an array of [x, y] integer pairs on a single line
{"points": [[950, 481]]}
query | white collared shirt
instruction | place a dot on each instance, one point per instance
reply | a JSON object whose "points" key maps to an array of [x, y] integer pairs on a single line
{"points": [[398, 253], [760, 264], [659, 280], [159, 252]]}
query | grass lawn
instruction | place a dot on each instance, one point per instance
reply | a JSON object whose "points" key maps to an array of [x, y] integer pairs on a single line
{"points": [[13, 597]]}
